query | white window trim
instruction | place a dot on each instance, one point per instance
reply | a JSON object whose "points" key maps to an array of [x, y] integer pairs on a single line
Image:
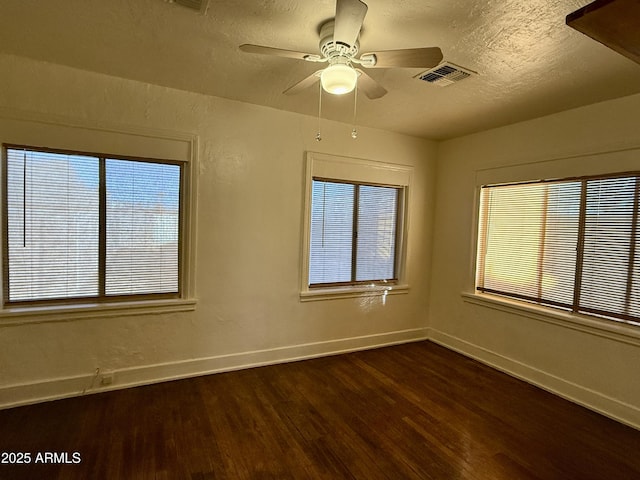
{"points": [[58, 132], [310, 295], [587, 164], [619, 331], [80, 311], [363, 171]]}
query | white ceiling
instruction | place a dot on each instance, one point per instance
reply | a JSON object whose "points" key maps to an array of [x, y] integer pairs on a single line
{"points": [[529, 62]]}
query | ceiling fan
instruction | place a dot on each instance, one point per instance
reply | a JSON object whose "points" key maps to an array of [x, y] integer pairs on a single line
{"points": [[339, 47]]}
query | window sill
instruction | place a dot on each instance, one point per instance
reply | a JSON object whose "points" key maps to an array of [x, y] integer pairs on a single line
{"points": [[614, 330], [64, 313], [315, 294]]}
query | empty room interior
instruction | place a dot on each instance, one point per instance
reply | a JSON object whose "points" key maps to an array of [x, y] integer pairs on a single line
{"points": [[320, 239]]}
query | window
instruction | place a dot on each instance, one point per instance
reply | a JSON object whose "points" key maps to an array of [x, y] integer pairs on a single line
{"points": [[80, 226], [572, 244], [355, 232]]}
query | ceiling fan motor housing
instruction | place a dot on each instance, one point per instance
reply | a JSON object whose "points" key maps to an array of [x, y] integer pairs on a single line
{"points": [[336, 52]]}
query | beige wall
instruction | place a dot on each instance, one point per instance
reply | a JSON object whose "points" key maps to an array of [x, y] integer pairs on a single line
{"points": [[586, 361], [248, 239]]}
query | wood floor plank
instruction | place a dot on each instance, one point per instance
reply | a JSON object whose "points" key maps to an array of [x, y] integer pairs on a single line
{"points": [[415, 411]]}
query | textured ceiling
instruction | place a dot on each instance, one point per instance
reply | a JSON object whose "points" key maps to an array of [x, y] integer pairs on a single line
{"points": [[529, 62]]}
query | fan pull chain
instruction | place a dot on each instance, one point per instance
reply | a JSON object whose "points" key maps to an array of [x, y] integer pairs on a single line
{"points": [[354, 132], [318, 135]]}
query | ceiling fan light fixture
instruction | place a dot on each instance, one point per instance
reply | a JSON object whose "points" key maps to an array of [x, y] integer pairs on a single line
{"points": [[338, 79]]}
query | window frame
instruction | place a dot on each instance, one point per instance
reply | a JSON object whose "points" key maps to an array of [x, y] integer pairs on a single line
{"points": [[354, 246], [101, 297], [338, 169], [575, 309], [62, 134]]}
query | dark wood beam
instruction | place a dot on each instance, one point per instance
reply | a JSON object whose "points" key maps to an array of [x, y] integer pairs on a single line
{"points": [[614, 23]]}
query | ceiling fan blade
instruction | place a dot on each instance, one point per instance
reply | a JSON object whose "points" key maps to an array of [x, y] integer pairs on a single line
{"points": [[369, 86], [409, 58], [279, 52], [348, 22], [304, 83]]}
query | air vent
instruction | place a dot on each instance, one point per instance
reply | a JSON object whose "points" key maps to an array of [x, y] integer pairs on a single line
{"points": [[445, 74], [197, 5]]}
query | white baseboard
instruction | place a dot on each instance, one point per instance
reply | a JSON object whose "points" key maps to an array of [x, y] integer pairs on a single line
{"points": [[53, 389], [608, 406]]}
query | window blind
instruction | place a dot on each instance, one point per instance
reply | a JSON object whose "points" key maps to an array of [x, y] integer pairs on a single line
{"points": [[81, 226], [52, 225], [377, 220], [353, 233], [142, 227], [610, 281], [331, 232], [570, 243]]}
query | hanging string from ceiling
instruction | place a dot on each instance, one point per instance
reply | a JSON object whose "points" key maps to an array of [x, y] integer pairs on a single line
{"points": [[354, 130], [318, 135]]}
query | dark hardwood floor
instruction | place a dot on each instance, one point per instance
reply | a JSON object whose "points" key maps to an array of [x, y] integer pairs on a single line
{"points": [[415, 411]]}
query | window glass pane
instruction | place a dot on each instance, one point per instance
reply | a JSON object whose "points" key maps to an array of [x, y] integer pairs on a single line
{"points": [[377, 222], [608, 226], [331, 232], [512, 239], [560, 242], [52, 211], [142, 227], [528, 241]]}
